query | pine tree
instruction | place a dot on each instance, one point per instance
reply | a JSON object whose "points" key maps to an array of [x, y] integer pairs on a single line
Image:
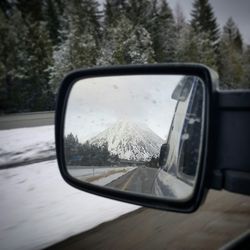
{"points": [[39, 48], [182, 34], [52, 16], [195, 49], [180, 20], [124, 43], [187, 45], [113, 10], [72, 149], [5, 7], [139, 46], [4, 62], [32, 10], [80, 40], [139, 12], [231, 59], [205, 33], [232, 36], [25, 78], [203, 20], [113, 40], [13, 59], [164, 33]]}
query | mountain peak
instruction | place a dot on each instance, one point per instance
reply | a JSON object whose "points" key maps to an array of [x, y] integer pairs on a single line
{"points": [[130, 140]]}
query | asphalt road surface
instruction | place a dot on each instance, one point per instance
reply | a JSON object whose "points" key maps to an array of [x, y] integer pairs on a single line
{"points": [[222, 217], [139, 180], [145, 180], [24, 120]]}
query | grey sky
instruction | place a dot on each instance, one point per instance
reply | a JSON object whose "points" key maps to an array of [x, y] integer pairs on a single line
{"points": [[239, 10], [96, 104]]}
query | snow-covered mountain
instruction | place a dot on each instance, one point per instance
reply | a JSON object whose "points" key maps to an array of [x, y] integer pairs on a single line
{"points": [[131, 141]]}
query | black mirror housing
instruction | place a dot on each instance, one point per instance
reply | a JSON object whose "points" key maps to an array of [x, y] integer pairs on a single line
{"points": [[210, 79]]}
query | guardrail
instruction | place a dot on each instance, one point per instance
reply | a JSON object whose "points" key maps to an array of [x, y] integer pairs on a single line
{"points": [[23, 120]]}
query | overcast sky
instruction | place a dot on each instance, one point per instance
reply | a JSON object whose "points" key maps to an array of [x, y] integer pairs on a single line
{"points": [[223, 9], [96, 104]]}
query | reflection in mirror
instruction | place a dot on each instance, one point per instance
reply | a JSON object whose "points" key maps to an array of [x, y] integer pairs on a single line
{"points": [[137, 133]]}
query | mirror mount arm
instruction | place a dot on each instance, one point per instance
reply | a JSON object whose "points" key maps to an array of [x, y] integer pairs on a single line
{"points": [[229, 150]]}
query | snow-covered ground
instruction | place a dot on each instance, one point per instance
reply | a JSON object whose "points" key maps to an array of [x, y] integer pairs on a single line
{"points": [[26, 144], [37, 207]]}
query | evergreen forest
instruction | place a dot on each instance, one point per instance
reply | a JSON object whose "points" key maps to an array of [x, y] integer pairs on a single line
{"points": [[42, 40], [85, 154]]}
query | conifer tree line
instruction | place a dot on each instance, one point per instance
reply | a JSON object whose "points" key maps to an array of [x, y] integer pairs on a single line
{"points": [[85, 154], [42, 40], [79, 154]]}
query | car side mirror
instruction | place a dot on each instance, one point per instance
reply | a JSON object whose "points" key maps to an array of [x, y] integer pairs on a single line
{"points": [[120, 133], [163, 155]]}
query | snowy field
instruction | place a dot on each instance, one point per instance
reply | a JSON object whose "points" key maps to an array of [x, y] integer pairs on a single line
{"points": [[37, 207], [24, 144]]}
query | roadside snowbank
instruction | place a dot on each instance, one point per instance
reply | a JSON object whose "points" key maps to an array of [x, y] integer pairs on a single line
{"points": [[25, 144], [38, 208]]}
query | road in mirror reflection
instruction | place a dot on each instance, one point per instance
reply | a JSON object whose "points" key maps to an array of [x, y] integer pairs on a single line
{"points": [[116, 127]]}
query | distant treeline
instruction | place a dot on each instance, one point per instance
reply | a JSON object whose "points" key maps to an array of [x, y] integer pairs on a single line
{"points": [[41, 40], [86, 154]]}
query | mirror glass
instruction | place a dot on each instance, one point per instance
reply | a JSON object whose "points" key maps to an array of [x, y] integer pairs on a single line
{"points": [[136, 133]]}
